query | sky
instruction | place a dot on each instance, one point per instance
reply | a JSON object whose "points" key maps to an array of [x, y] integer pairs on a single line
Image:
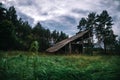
{"points": [[64, 15]]}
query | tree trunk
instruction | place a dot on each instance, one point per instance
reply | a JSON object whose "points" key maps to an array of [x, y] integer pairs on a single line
{"points": [[105, 50], [90, 44]]}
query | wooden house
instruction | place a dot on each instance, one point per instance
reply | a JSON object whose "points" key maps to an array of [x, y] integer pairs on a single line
{"points": [[73, 44]]}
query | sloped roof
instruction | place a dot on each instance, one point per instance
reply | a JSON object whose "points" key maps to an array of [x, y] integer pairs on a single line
{"points": [[64, 42]]}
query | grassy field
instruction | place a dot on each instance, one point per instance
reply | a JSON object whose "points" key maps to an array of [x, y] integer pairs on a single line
{"points": [[58, 67]]}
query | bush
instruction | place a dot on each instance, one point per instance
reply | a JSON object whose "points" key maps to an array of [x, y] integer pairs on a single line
{"points": [[34, 46]]}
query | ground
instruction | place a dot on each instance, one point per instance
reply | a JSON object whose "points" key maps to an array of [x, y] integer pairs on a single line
{"points": [[26, 66]]}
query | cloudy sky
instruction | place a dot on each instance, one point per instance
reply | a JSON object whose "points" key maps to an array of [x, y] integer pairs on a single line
{"points": [[64, 15]]}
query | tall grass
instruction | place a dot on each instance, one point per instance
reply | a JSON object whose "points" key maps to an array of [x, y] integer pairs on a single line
{"points": [[58, 67]]}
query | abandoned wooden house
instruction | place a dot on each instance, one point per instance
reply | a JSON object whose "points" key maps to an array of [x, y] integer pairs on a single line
{"points": [[74, 44]]}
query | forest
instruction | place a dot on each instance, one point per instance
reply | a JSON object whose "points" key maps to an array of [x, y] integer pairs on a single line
{"points": [[17, 34], [23, 53]]}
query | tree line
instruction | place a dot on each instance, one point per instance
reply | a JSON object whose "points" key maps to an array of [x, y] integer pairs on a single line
{"points": [[100, 26], [16, 34]]}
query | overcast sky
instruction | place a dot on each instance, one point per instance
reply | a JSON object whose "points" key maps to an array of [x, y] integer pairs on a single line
{"points": [[64, 15]]}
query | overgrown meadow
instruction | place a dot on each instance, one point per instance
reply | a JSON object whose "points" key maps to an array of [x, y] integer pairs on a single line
{"points": [[31, 66]]}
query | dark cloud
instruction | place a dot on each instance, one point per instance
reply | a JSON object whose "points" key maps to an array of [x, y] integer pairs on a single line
{"points": [[54, 25], [26, 3], [59, 26], [44, 13], [79, 11], [26, 18], [118, 3], [68, 19]]}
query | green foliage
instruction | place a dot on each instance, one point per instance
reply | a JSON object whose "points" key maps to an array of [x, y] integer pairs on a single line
{"points": [[16, 34], [34, 46], [44, 36], [2, 12], [117, 46], [58, 36], [8, 38], [59, 67], [99, 25], [104, 30], [11, 15]]}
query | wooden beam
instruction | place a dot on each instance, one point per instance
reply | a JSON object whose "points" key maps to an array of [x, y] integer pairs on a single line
{"points": [[82, 45], [65, 49], [77, 43], [70, 48]]}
